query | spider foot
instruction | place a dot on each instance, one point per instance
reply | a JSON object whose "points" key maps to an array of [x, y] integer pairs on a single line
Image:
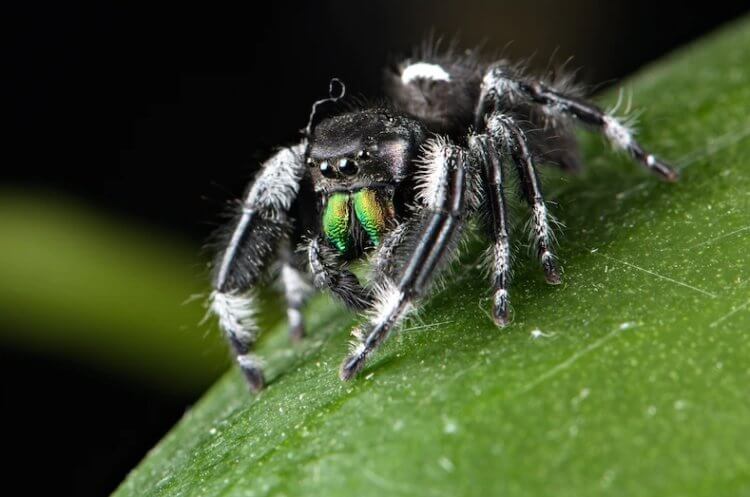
{"points": [[551, 269], [253, 373], [667, 172], [353, 364], [501, 308]]}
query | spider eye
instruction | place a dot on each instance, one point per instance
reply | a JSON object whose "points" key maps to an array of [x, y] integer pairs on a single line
{"points": [[326, 169], [347, 166], [310, 162], [363, 154]]}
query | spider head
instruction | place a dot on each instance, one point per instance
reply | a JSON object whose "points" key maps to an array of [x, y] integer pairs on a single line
{"points": [[362, 149]]}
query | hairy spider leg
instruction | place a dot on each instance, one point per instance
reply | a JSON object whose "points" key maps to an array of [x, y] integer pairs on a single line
{"points": [[507, 134], [439, 230], [261, 225], [385, 260], [297, 290], [329, 272], [499, 82], [483, 147]]}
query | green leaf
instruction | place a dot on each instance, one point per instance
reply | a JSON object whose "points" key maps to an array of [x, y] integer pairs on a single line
{"points": [[632, 378]]}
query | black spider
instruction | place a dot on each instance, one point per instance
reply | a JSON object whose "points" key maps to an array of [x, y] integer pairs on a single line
{"points": [[401, 181]]}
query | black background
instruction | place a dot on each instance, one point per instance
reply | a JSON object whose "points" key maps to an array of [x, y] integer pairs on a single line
{"points": [[160, 113]]}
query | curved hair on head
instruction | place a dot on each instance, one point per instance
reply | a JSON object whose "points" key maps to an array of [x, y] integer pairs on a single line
{"points": [[320, 109]]}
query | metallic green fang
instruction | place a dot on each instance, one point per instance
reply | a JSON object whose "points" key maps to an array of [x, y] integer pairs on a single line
{"points": [[373, 212], [336, 222]]}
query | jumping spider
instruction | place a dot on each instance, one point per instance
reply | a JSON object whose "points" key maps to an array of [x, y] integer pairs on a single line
{"points": [[399, 182]]}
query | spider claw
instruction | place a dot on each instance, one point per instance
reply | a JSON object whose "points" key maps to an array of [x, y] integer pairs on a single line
{"points": [[256, 381], [661, 168], [500, 308], [551, 270], [351, 366], [669, 173]]}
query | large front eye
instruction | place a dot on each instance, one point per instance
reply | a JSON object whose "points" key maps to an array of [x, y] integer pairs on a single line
{"points": [[326, 169], [347, 166]]}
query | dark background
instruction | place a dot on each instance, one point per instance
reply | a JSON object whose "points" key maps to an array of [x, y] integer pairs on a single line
{"points": [[159, 113]]}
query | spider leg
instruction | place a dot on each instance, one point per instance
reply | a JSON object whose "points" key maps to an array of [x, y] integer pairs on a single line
{"points": [[330, 273], [444, 193], [387, 259], [262, 223], [296, 292], [506, 133], [492, 176], [500, 83]]}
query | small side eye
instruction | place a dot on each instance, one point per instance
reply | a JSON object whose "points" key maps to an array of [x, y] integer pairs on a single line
{"points": [[310, 162], [363, 155]]}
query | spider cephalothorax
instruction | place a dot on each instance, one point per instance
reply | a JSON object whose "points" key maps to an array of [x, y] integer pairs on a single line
{"points": [[358, 160], [400, 181]]}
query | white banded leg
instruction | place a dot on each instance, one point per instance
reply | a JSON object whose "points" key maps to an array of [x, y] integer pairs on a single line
{"points": [[487, 155], [508, 135], [297, 289], [329, 273], [499, 82], [444, 189], [262, 223], [236, 313]]}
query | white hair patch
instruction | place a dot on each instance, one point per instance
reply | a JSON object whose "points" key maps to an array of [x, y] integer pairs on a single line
{"points": [[236, 315], [424, 70], [543, 233], [432, 174], [296, 287], [249, 361], [540, 213], [278, 182], [495, 80], [617, 133], [356, 348], [390, 304], [502, 258], [294, 316]]}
